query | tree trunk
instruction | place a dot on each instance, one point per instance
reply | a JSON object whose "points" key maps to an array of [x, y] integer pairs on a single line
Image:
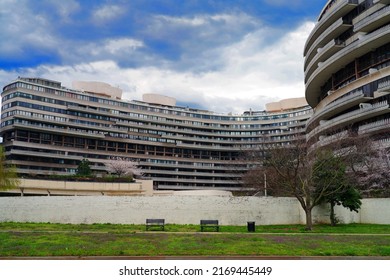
{"points": [[309, 222]]}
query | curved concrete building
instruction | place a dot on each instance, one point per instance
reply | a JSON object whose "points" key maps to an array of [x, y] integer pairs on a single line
{"points": [[48, 129], [347, 71]]}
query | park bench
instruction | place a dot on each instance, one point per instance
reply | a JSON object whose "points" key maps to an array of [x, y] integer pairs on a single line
{"points": [[155, 223], [213, 224]]}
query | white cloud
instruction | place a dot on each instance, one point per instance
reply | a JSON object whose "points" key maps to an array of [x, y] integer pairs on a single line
{"points": [[108, 13], [202, 28], [181, 21], [251, 75], [284, 2], [110, 47], [123, 44], [23, 30], [65, 8]]}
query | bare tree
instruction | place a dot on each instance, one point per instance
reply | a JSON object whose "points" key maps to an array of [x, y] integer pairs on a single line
{"points": [[123, 167], [290, 171]]}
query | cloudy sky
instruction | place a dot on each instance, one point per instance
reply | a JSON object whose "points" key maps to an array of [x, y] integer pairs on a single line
{"points": [[219, 55]]}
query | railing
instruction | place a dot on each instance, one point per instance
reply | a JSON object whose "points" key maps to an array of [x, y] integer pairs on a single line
{"points": [[384, 84], [370, 18], [344, 118], [362, 109], [332, 105], [383, 143], [374, 125], [329, 139], [348, 51], [331, 6]]}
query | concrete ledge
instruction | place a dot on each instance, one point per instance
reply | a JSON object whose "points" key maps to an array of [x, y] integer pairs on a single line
{"points": [[52, 187]]}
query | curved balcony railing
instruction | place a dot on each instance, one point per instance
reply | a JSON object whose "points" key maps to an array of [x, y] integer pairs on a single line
{"points": [[374, 126], [348, 117], [333, 31], [382, 1], [343, 57], [384, 85], [383, 143], [323, 54], [324, 141], [346, 99], [338, 9], [370, 20]]}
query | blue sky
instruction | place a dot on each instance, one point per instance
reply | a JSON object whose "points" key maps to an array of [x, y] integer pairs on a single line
{"points": [[219, 55]]}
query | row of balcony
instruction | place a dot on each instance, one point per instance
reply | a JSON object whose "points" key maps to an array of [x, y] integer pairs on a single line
{"points": [[97, 156], [88, 132], [326, 140], [356, 49], [373, 21], [374, 126], [316, 50], [194, 174], [338, 105], [196, 181], [339, 9], [190, 164], [366, 110]]}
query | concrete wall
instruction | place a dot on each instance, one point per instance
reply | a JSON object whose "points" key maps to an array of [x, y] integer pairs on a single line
{"points": [[177, 210]]}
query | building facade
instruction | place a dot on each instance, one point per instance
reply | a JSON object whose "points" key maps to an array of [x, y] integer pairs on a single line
{"points": [[347, 72], [48, 129]]}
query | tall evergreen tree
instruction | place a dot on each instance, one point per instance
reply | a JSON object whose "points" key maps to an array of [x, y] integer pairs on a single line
{"points": [[333, 185], [84, 168]]}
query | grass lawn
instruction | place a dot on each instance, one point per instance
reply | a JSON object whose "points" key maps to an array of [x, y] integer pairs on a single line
{"points": [[41, 239]]}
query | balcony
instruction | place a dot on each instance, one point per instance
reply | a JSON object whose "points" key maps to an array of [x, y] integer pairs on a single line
{"points": [[326, 140], [356, 49], [383, 143], [323, 54], [384, 86], [332, 138], [373, 21], [335, 30], [195, 181], [339, 105], [374, 126], [332, 14], [45, 154], [364, 112], [382, 1], [62, 131]]}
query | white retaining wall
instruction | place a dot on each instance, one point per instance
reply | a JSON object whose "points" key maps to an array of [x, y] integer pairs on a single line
{"points": [[179, 210]]}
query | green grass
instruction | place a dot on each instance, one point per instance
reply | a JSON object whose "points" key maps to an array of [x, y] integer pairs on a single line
{"points": [[36, 239]]}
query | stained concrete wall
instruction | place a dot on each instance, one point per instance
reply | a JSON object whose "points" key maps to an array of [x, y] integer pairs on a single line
{"points": [[177, 210]]}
